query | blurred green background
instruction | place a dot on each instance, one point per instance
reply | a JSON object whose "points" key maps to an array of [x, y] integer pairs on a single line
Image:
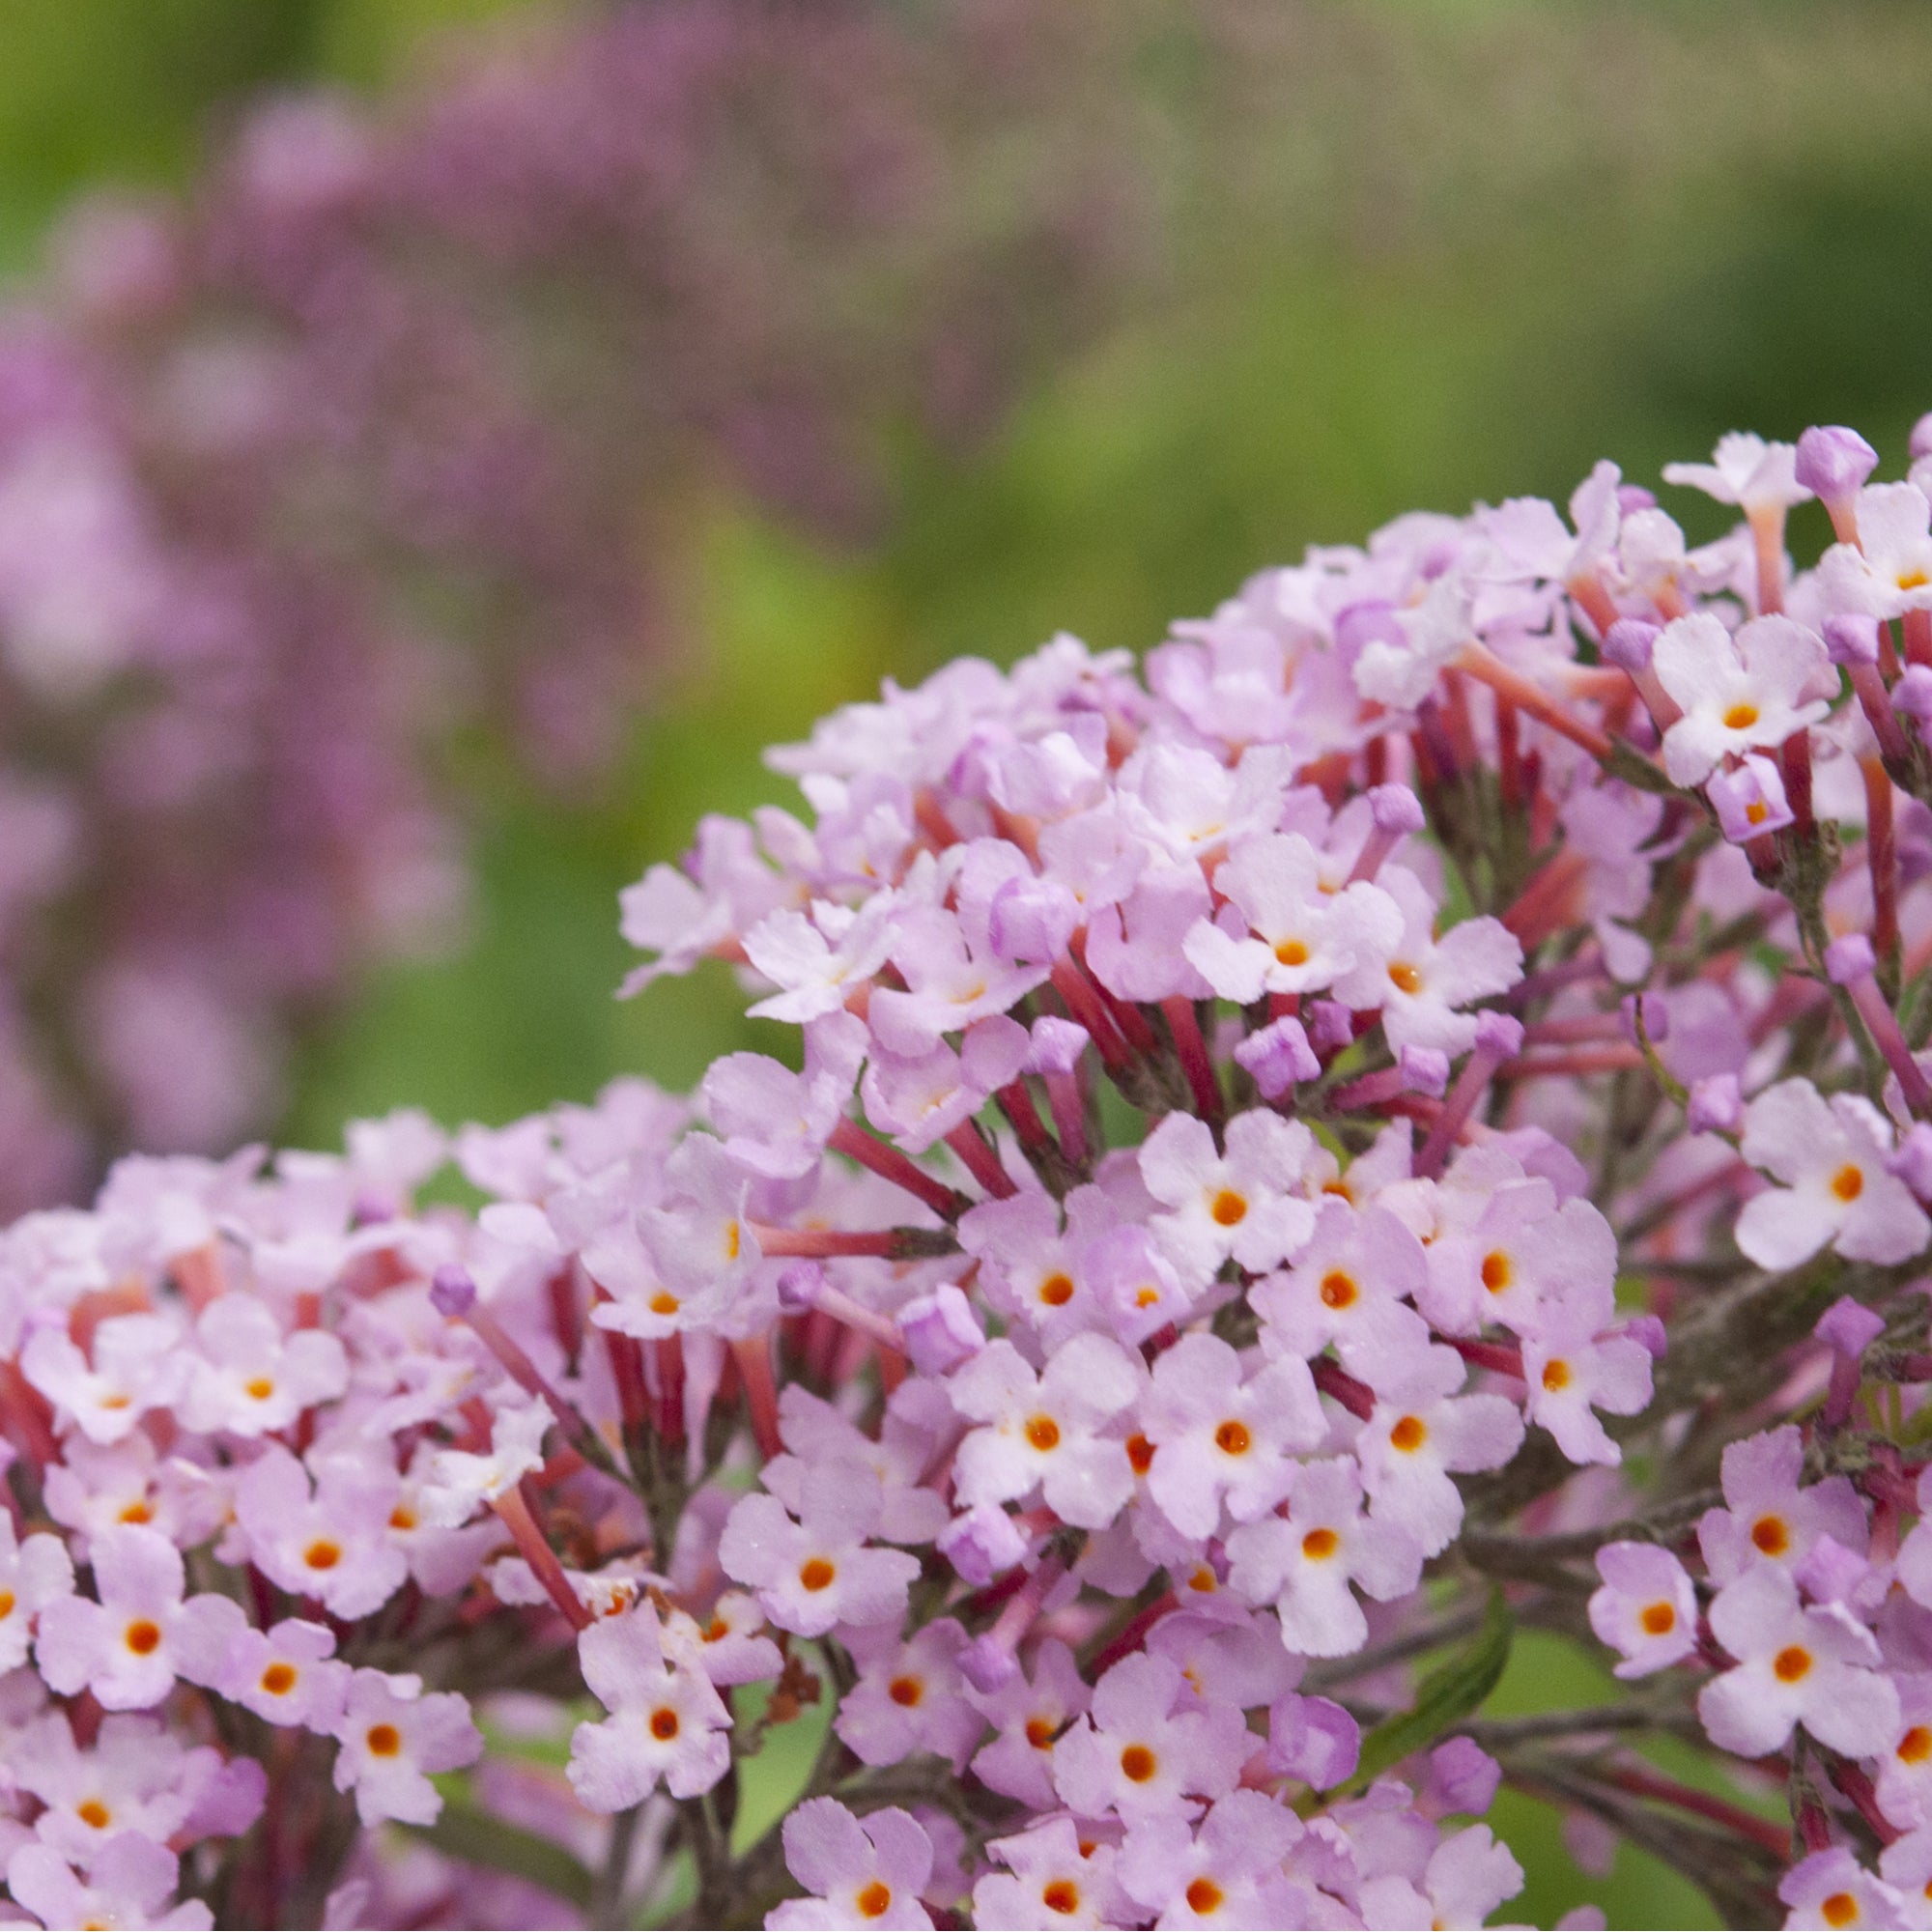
{"points": [[1412, 255]]}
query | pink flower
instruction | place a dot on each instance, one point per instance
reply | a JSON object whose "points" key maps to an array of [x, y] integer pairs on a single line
{"points": [[1304, 1564], [1736, 693], [1220, 1439], [1028, 1713], [1420, 1436], [288, 1675], [1572, 1373], [1136, 1755], [137, 1365], [667, 1723], [1646, 1609], [1043, 1431], [131, 1646], [1421, 986], [251, 1377], [1053, 1879], [1770, 1514], [1227, 1871], [1281, 931], [1831, 1155], [126, 1885], [334, 1546], [818, 1572], [1817, 1667], [860, 1873], [391, 1736], [911, 1697], [1350, 1288], [1240, 1204]]}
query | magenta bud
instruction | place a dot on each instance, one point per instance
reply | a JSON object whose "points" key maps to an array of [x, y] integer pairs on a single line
{"points": [[1913, 695], [1852, 638], [986, 1664], [1313, 1739], [1647, 1332], [1655, 1012], [1031, 921], [1911, 1161], [1850, 958], [1629, 642], [1394, 807], [1463, 1776], [1425, 1070], [1056, 1045], [1849, 1327], [372, 1207], [799, 1288], [1330, 1026], [1633, 497], [1498, 1036], [981, 1543], [1830, 1571], [940, 1330], [1278, 1056], [451, 1290], [1750, 799], [1832, 462], [1717, 1105]]}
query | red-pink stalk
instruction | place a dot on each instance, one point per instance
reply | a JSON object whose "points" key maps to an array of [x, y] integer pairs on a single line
{"points": [[753, 1355], [1186, 1028], [980, 1162], [515, 1507], [892, 1164]]}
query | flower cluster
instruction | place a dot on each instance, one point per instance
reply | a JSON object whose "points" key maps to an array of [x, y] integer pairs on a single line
{"points": [[392, 431], [1254, 1140]]}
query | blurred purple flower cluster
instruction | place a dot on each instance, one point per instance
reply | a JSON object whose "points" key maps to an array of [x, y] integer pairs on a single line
{"points": [[386, 434]]}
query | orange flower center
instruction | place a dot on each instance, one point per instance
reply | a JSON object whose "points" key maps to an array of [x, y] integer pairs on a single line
{"points": [[261, 1388], [1915, 1746], [1849, 1183], [279, 1680], [1056, 1291], [664, 1302], [1230, 1208], [1404, 978], [1741, 717], [1140, 1452], [1339, 1289], [1292, 952], [1062, 1897], [1040, 1733], [815, 1574], [1138, 1763], [1409, 1435], [1232, 1438], [1555, 1375], [1770, 1535], [1319, 1545], [1839, 1909], [384, 1740], [1791, 1663], [1498, 1274], [95, 1813], [906, 1691], [322, 1554], [1659, 1619], [1043, 1432], [143, 1638], [1202, 1896], [876, 1900], [663, 1725]]}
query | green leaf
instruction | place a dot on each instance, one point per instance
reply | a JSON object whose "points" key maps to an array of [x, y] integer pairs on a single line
{"points": [[1628, 763], [1447, 1695], [481, 1839]]}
